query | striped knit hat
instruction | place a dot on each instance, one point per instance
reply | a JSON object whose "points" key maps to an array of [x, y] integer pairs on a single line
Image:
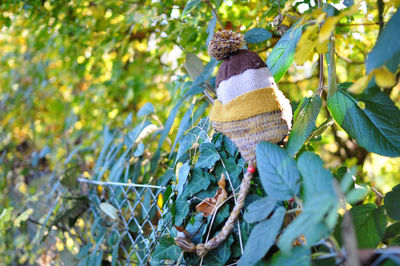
{"points": [[250, 108]]}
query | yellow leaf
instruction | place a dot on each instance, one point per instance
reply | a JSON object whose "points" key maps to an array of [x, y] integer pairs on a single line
{"points": [[327, 29], [359, 85], [384, 78], [160, 201], [304, 51], [322, 48]]}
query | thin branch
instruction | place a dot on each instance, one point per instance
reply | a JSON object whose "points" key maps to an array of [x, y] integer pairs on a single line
{"points": [[360, 24], [380, 15], [214, 11], [348, 60]]}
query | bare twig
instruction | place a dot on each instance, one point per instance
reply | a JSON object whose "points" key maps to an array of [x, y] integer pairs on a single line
{"points": [[348, 60], [180, 258], [360, 24]]}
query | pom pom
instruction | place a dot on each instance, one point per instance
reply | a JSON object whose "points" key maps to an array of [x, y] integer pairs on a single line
{"points": [[225, 43]]}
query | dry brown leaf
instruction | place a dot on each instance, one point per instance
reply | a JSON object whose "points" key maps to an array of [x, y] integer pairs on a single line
{"points": [[209, 205]]}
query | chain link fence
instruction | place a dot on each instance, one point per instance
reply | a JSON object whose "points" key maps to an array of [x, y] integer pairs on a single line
{"points": [[125, 221]]}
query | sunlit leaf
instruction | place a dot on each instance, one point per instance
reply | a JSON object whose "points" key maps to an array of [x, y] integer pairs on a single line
{"points": [[262, 237], [369, 223], [278, 171], [304, 123], [387, 46], [375, 124], [281, 57], [257, 35]]}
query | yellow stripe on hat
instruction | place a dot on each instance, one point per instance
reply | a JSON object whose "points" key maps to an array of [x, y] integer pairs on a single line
{"points": [[246, 105]]}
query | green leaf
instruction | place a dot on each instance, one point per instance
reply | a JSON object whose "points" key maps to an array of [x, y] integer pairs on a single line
{"points": [[304, 123], [146, 109], [316, 179], [193, 65], [369, 223], [169, 123], [23, 217], [257, 35], [259, 209], [373, 120], [109, 209], [197, 183], [220, 255], [356, 194], [282, 55], [189, 6], [208, 155], [308, 221], [278, 172], [300, 256], [262, 238], [197, 134], [139, 150], [182, 176], [387, 46], [211, 28], [391, 231], [392, 201], [206, 74], [166, 250]]}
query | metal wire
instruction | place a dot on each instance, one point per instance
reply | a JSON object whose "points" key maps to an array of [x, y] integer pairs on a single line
{"points": [[131, 237]]}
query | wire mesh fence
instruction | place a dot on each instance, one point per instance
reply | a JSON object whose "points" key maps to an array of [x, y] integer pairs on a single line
{"points": [[125, 221]]}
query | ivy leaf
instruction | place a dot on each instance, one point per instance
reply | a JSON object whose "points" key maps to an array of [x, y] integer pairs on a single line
{"points": [[189, 6], [197, 183], [282, 55], [262, 238], [304, 123], [369, 223], [300, 256], [257, 35], [392, 200], [166, 250], [208, 155], [182, 176], [316, 179], [387, 47], [278, 172], [197, 134], [259, 209], [373, 120]]}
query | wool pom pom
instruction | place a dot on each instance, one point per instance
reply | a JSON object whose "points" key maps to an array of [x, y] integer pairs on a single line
{"points": [[225, 43]]}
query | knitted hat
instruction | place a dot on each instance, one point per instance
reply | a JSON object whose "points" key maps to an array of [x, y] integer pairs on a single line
{"points": [[250, 108]]}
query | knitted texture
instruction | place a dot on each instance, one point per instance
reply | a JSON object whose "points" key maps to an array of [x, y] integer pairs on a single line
{"points": [[224, 43], [247, 133], [249, 80], [238, 63], [246, 105]]}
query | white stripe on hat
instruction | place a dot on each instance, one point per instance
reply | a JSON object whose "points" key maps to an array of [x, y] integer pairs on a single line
{"points": [[251, 79]]}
